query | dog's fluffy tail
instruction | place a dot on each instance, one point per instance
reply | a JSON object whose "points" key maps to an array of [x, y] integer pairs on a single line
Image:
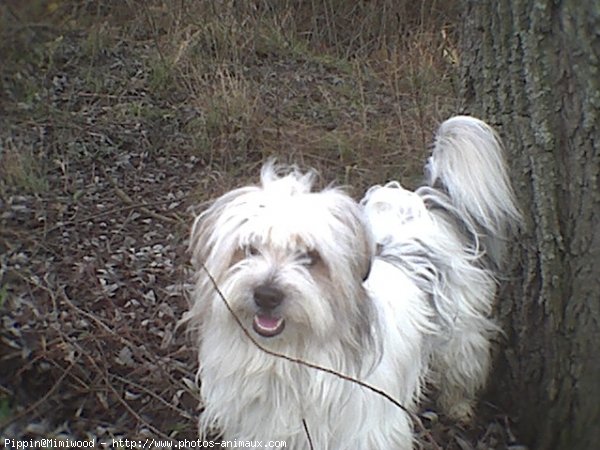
{"points": [[468, 164]]}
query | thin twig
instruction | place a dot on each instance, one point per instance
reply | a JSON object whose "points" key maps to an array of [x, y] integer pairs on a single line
{"points": [[143, 355], [301, 361], [122, 401], [310, 442], [36, 405], [142, 205], [152, 394], [127, 199]]}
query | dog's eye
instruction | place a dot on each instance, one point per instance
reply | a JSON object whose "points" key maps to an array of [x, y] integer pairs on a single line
{"points": [[251, 250], [310, 258]]}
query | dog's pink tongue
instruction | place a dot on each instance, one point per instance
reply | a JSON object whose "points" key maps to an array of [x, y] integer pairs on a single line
{"points": [[268, 326]]}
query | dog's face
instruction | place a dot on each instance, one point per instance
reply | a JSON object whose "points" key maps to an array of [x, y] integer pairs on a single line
{"points": [[290, 262]]}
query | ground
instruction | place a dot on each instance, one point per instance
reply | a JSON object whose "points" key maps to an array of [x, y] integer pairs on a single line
{"points": [[120, 120]]}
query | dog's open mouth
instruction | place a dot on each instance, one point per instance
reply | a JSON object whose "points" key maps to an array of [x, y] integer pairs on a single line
{"points": [[267, 325]]}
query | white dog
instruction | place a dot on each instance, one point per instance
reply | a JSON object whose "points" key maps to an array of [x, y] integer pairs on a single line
{"points": [[394, 291]]}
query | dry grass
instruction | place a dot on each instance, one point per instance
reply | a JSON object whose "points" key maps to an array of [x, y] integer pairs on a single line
{"points": [[117, 117]]}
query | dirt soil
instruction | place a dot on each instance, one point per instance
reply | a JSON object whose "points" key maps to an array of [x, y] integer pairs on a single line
{"points": [[118, 122]]}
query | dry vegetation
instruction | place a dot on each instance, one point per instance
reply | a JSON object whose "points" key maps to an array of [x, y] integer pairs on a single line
{"points": [[116, 118]]}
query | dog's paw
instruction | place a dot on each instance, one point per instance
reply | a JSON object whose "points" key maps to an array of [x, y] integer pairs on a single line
{"points": [[456, 406], [461, 412]]}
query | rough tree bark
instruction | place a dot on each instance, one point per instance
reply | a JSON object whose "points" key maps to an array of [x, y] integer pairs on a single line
{"points": [[532, 69]]}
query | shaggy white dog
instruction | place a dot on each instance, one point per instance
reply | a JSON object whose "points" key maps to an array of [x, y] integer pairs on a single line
{"points": [[393, 291]]}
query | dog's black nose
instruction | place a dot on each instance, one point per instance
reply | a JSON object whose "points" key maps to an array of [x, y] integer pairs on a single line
{"points": [[267, 297]]}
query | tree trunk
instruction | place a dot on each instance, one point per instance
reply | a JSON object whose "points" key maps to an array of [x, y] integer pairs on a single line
{"points": [[532, 69]]}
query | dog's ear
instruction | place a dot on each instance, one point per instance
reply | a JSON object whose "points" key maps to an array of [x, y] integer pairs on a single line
{"points": [[362, 242], [200, 238], [366, 275], [367, 249], [365, 243], [212, 225]]}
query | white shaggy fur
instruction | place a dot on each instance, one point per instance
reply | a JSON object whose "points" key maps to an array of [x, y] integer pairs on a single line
{"points": [[393, 291]]}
